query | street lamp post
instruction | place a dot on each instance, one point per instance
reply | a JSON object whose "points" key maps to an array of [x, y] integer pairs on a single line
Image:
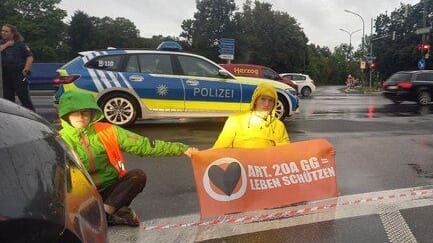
{"points": [[350, 37], [371, 50], [363, 27], [362, 39]]}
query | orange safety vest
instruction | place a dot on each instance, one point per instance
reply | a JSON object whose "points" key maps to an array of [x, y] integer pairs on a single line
{"points": [[108, 136]]}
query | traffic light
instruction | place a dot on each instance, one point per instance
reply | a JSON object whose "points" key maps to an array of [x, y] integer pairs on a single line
{"points": [[424, 48], [372, 66]]}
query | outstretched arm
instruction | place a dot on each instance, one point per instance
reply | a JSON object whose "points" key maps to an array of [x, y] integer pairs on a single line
{"points": [[142, 146]]}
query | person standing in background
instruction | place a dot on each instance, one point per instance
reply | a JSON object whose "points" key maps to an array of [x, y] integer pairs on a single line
{"points": [[17, 61]]}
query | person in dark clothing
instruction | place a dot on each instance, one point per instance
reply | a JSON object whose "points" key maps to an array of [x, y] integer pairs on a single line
{"points": [[17, 61]]}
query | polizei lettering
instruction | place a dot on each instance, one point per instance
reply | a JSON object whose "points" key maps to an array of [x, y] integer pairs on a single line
{"points": [[214, 92]]}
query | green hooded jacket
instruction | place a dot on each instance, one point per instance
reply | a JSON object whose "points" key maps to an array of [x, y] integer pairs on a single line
{"points": [[86, 143]]}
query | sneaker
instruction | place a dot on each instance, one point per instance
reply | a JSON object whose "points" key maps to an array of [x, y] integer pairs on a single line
{"points": [[123, 216]]}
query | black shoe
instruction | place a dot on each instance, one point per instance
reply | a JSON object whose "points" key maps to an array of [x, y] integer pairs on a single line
{"points": [[123, 216]]}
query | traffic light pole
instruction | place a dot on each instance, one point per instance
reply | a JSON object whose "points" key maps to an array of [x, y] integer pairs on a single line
{"points": [[371, 58], [424, 21], [371, 49]]}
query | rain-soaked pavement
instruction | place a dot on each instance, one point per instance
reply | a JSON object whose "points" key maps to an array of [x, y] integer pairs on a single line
{"points": [[384, 164]]}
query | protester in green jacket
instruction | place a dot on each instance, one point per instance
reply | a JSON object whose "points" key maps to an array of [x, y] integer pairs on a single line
{"points": [[99, 146]]}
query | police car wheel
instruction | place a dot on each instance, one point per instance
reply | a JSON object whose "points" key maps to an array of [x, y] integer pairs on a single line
{"points": [[119, 109], [282, 108]]}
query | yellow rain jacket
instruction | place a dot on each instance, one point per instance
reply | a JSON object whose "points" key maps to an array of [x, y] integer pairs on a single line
{"points": [[249, 130]]}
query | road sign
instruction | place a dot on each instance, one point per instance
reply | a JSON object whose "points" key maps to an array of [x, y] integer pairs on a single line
{"points": [[226, 51], [227, 56], [370, 58], [424, 30], [227, 40], [226, 44], [421, 64], [226, 47], [362, 65]]}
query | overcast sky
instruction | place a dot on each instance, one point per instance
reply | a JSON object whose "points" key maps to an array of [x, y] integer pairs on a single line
{"points": [[321, 20]]}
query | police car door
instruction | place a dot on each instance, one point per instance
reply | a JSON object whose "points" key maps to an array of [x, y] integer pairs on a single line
{"points": [[205, 89], [151, 76]]}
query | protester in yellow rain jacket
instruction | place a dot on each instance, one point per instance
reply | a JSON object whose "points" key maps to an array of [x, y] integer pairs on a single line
{"points": [[256, 128]]}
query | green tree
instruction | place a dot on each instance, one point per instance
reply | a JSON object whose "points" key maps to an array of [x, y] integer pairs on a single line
{"points": [[340, 66], [212, 21], [40, 22], [8, 11], [400, 53], [81, 32], [154, 41], [271, 38], [118, 32], [318, 62]]}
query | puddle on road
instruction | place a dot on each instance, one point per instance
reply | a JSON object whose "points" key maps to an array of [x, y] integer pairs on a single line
{"points": [[420, 172], [370, 111]]}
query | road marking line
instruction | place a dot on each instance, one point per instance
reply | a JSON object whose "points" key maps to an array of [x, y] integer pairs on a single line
{"points": [[406, 195], [394, 224]]}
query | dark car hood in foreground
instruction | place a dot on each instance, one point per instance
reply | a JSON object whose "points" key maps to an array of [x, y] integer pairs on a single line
{"points": [[32, 175], [43, 190], [13, 109]]}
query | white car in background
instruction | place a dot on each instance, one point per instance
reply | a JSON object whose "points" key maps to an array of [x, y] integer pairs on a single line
{"points": [[305, 84]]}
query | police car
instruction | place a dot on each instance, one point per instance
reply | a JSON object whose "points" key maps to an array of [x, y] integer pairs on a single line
{"points": [[162, 83]]}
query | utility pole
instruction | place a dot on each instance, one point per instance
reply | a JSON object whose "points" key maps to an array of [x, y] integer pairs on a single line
{"points": [[362, 43], [425, 37], [424, 46], [371, 50], [363, 28]]}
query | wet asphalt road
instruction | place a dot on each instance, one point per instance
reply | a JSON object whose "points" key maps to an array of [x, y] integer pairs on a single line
{"points": [[379, 146]]}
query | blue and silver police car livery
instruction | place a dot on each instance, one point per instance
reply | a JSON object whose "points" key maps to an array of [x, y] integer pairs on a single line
{"points": [[149, 84]]}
